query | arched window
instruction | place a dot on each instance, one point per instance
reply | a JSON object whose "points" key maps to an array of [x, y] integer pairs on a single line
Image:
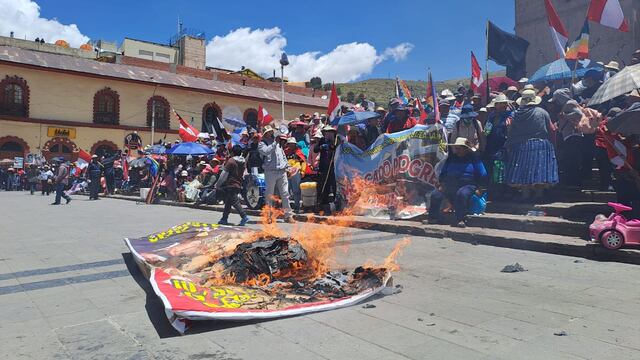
{"points": [[104, 148], [159, 107], [60, 147], [106, 107], [251, 118], [211, 114], [14, 96]]}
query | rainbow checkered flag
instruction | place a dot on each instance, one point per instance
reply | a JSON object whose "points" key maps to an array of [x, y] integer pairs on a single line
{"points": [[579, 49]]}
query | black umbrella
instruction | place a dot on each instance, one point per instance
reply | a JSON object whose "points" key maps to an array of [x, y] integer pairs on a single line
{"points": [[626, 122]]}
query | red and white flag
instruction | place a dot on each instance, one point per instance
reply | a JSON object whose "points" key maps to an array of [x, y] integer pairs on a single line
{"points": [[334, 102], [608, 13], [84, 158], [264, 118], [559, 33], [187, 132], [476, 73]]}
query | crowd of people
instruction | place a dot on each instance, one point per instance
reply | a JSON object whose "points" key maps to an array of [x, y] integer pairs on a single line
{"points": [[516, 143]]}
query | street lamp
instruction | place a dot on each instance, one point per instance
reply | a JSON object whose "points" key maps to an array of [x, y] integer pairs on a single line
{"points": [[284, 61]]}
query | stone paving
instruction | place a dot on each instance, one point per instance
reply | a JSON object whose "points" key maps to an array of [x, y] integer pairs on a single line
{"points": [[69, 290]]}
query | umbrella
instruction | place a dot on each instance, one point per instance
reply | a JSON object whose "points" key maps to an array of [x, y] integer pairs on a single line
{"points": [[352, 118], [6, 161], [562, 69], [626, 122], [139, 162], [235, 122], [203, 135], [495, 83], [189, 148], [628, 79], [157, 149]]}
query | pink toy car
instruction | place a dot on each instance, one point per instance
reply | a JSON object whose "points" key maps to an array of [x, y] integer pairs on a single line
{"points": [[615, 231]]}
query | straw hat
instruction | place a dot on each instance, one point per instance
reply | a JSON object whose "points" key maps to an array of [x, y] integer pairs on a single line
{"points": [[528, 87], [523, 80], [462, 142], [267, 129], [529, 97], [447, 95], [613, 65], [501, 98], [329, 128], [292, 140]]}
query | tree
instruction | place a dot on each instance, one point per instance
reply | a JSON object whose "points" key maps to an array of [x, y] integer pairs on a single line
{"points": [[351, 97], [316, 83]]}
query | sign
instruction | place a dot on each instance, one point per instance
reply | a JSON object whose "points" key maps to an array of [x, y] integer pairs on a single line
{"points": [[18, 162], [392, 177], [69, 133]]}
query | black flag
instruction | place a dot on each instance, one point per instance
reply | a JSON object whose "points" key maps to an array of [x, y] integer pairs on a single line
{"points": [[507, 50]]}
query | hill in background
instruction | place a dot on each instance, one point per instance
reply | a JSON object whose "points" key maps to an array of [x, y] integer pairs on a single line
{"points": [[381, 90]]}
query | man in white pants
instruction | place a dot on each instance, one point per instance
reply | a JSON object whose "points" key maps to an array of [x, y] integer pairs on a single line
{"points": [[275, 166]]}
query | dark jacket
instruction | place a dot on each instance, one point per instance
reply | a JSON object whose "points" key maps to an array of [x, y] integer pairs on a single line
{"points": [[326, 150], [460, 171], [94, 170]]}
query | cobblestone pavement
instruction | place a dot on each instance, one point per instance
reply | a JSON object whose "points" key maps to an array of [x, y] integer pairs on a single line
{"points": [[68, 290]]}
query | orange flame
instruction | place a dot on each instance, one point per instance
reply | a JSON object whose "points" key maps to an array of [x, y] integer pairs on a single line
{"points": [[390, 261]]}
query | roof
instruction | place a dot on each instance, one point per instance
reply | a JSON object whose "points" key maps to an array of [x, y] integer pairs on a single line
{"points": [[14, 55]]}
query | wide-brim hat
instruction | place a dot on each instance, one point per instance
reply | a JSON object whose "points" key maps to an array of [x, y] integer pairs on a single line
{"points": [[462, 142], [267, 129], [529, 97], [329, 128], [298, 123], [612, 65], [500, 98], [292, 140]]}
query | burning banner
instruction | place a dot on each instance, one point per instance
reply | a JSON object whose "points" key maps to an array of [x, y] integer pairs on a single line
{"points": [[210, 272], [393, 176]]}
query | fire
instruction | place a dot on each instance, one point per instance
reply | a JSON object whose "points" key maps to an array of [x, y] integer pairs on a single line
{"points": [[390, 261]]}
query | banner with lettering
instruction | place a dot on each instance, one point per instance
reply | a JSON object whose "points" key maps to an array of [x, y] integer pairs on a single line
{"points": [[393, 177], [186, 263]]}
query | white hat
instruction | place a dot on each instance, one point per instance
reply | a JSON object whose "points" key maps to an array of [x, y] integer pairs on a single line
{"points": [[612, 65], [447, 95], [500, 98], [292, 140], [184, 173], [328, 128], [267, 129], [460, 141], [523, 80], [94, 156], [482, 110], [529, 97]]}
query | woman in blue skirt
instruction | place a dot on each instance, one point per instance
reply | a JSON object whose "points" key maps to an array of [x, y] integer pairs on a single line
{"points": [[531, 163]]}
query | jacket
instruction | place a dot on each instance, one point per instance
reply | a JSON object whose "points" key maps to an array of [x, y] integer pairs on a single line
{"points": [[63, 174], [273, 158]]}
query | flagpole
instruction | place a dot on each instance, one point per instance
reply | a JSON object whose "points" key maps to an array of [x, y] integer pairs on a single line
{"points": [[486, 64]]}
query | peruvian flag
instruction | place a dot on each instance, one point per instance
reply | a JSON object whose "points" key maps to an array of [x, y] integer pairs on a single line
{"points": [[187, 132], [334, 103], [559, 33], [84, 158], [476, 74], [608, 13], [264, 118]]}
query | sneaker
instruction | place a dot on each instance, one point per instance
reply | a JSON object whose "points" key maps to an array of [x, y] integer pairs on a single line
{"points": [[460, 224], [55, 203], [289, 219], [223, 222], [244, 221], [68, 200]]}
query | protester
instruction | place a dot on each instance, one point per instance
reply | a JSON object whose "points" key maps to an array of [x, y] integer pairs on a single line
{"points": [[372, 130], [230, 183], [275, 171], [531, 163], [459, 179], [469, 127], [297, 170], [32, 178], [326, 147], [448, 118], [61, 180], [496, 130], [46, 180], [401, 120], [94, 173]]}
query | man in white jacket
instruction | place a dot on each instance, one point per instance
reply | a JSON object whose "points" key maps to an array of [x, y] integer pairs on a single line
{"points": [[275, 167]]}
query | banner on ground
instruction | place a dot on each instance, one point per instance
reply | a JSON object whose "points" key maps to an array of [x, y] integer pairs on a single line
{"points": [[394, 175]]}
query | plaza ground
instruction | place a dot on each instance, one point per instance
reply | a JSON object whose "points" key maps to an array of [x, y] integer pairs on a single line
{"points": [[69, 290]]}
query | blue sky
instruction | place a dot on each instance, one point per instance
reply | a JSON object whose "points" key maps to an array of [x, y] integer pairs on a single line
{"points": [[442, 32]]}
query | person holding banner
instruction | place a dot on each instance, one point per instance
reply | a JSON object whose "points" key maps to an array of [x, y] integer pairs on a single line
{"points": [[459, 179]]}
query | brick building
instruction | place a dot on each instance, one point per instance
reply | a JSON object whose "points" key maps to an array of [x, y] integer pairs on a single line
{"points": [[606, 44]]}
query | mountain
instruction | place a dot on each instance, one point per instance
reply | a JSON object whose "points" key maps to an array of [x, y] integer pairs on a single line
{"points": [[382, 90]]}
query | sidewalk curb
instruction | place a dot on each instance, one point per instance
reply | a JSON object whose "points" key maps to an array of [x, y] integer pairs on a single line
{"points": [[476, 236]]}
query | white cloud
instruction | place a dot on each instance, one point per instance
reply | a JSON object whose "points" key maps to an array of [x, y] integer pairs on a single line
{"points": [[260, 50], [398, 52], [23, 18]]}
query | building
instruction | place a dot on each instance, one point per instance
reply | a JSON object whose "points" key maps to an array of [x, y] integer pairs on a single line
{"points": [[148, 50], [606, 44], [55, 103]]}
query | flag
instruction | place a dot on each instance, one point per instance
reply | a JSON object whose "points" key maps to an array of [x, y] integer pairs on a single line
{"points": [[400, 93], [559, 33], [334, 103], [507, 50], [84, 158], [579, 49], [264, 118], [405, 89], [186, 132], [432, 98], [608, 13], [476, 74]]}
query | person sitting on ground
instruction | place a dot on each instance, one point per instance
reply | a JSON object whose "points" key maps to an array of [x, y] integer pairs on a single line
{"points": [[469, 128], [230, 181], [460, 177]]}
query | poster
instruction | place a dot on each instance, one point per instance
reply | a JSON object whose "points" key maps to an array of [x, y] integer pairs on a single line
{"points": [[189, 268], [394, 176]]}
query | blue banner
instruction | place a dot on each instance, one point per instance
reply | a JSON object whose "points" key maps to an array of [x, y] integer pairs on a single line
{"points": [[392, 177]]}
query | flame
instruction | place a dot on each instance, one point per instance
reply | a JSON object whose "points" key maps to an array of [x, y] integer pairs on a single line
{"points": [[390, 261]]}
